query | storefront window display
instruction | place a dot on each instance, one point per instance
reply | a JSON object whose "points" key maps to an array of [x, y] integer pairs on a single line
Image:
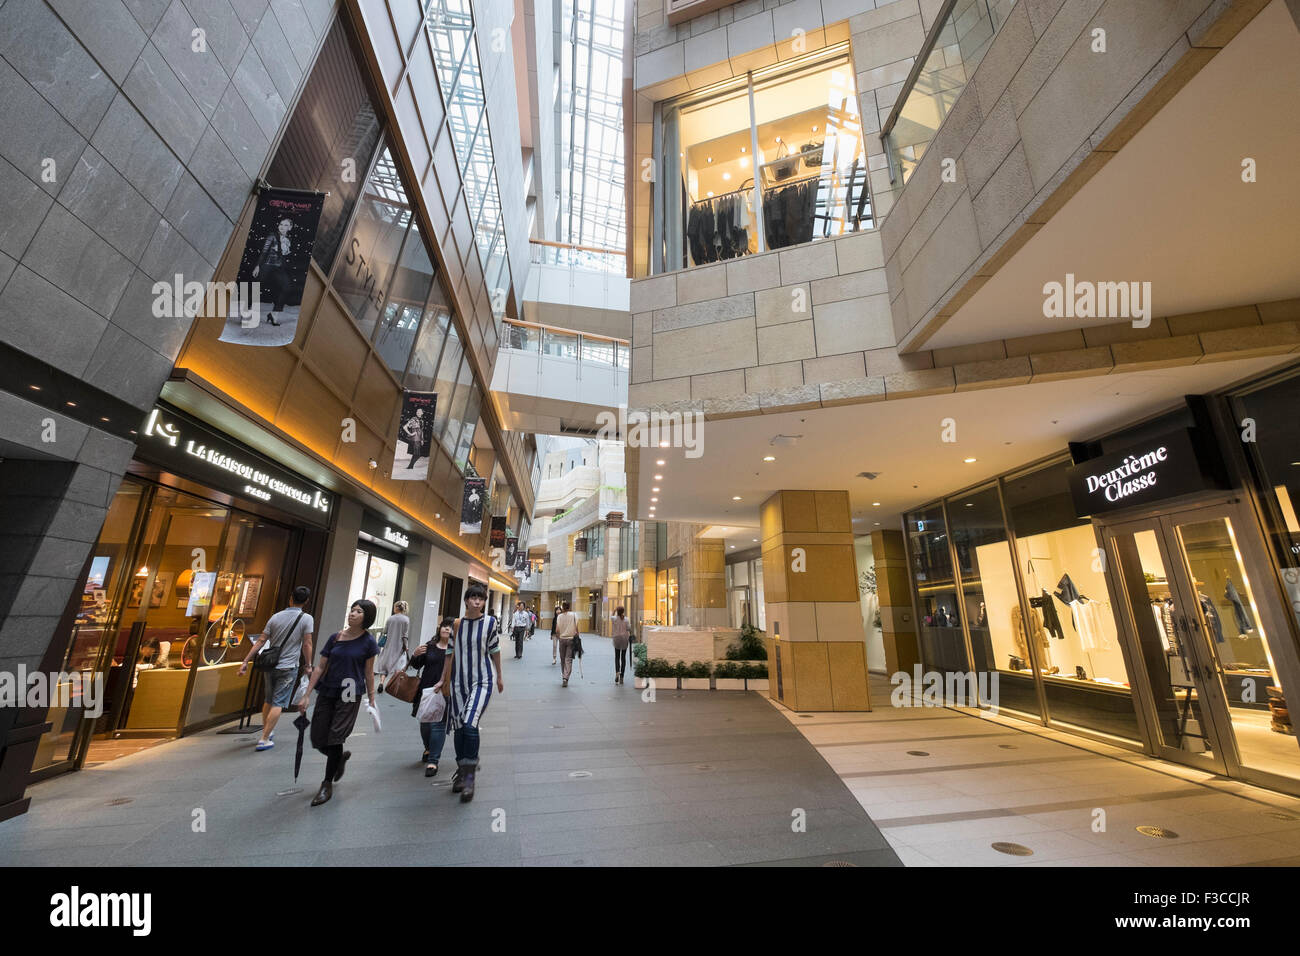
{"points": [[375, 578], [773, 160], [1273, 456], [943, 646], [1071, 624], [666, 596], [989, 600]]}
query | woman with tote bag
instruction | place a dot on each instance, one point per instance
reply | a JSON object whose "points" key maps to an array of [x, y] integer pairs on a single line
{"points": [[430, 658]]}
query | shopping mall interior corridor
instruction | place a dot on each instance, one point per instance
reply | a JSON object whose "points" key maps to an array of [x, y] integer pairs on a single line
{"points": [[597, 774]]}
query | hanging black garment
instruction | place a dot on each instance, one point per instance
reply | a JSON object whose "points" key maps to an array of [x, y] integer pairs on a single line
{"points": [[1050, 621], [695, 232], [708, 232]]}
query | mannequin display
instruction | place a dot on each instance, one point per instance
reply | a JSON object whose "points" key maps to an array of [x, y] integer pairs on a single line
{"points": [[1242, 617]]}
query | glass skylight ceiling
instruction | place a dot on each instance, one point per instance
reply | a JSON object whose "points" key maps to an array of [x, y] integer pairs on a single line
{"points": [[591, 120], [450, 24]]}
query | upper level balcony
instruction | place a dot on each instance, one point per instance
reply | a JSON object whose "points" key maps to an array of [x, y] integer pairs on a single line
{"points": [[553, 380], [583, 288]]}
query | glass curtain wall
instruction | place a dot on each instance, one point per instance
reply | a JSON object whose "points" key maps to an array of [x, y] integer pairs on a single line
{"points": [[943, 646], [774, 160]]}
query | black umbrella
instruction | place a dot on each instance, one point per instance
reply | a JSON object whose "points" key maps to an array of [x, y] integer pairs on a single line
{"points": [[302, 723]]}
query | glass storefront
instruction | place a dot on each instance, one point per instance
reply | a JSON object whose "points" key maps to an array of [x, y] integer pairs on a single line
{"points": [[666, 596], [771, 160], [179, 585], [1169, 624], [744, 581], [375, 577]]}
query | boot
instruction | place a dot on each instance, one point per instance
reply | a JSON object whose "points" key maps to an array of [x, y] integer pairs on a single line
{"points": [[458, 780], [343, 765], [467, 788], [323, 794]]}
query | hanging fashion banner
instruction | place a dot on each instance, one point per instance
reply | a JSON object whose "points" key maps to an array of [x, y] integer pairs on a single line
{"points": [[521, 561], [273, 270], [471, 507], [498, 538], [512, 552], [414, 436]]}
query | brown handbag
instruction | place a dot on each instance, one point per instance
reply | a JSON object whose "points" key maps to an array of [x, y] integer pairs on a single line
{"points": [[403, 686]]}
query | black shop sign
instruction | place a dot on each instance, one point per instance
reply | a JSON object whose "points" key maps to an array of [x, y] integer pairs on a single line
{"points": [[1163, 467]]}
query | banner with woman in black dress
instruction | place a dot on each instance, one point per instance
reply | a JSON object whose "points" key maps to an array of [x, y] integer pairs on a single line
{"points": [[273, 270], [414, 436]]}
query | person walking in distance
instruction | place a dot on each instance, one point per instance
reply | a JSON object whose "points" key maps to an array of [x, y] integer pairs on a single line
{"points": [[472, 662], [566, 627], [532, 623], [622, 637], [346, 660], [395, 630], [431, 658], [291, 630], [519, 628], [555, 631]]}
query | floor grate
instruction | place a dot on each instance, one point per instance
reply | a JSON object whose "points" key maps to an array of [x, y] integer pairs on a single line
{"points": [[839, 863], [1160, 833], [919, 753], [1012, 849]]}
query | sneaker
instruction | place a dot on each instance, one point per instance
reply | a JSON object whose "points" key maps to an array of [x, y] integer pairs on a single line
{"points": [[264, 745]]}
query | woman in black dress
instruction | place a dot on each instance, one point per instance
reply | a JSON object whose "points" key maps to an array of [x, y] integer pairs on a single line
{"points": [[430, 658], [346, 661], [272, 269], [416, 432]]}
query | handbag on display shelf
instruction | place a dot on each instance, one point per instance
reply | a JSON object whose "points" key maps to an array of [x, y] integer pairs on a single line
{"points": [[402, 685]]}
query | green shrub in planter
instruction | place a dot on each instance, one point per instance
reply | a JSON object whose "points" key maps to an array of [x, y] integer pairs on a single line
{"points": [[639, 653], [726, 670], [754, 671], [680, 669], [657, 667], [699, 669]]}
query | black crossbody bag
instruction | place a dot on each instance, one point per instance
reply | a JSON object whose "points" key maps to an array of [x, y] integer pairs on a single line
{"points": [[269, 658]]}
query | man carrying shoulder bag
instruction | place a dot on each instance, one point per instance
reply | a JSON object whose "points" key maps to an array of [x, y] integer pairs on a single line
{"points": [[289, 633]]}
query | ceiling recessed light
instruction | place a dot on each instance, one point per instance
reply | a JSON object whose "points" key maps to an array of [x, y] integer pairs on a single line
{"points": [[710, 192], [969, 461], [875, 504], [654, 499], [742, 149], [726, 176], [654, 489], [733, 547], [102, 419], [71, 404], [769, 457], [970, 504], [709, 159], [877, 522], [34, 388], [754, 539], [663, 444], [660, 462], [735, 497], [659, 477]]}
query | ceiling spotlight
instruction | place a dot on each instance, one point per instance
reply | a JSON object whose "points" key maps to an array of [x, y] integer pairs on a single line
{"points": [[71, 404], [754, 540], [769, 457], [742, 149], [814, 129], [744, 162], [709, 159], [726, 176], [710, 192], [970, 504], [969, 461], [654, 489], [733, 547], [778, 139], [438, 515], [372, 463], [34, 388], [660, 462], [735, 497], [654, 499], [659, 477], [875, 504], [663, 444]]}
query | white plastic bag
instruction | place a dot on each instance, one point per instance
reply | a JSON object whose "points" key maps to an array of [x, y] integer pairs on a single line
{"points": [[433, 706], [298, 691], [374, 715]]}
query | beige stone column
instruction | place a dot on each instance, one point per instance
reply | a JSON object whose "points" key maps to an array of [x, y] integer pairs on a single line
{"points": [[703, 583], [810, 587], [546, 612], [893, 587]]}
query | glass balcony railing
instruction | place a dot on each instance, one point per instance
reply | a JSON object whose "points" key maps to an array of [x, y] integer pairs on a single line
{"points": [[954, 48], [588, 258], [596, 350]]}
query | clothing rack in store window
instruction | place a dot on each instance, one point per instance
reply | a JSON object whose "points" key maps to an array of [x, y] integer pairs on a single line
{"points": [[749, 184]]}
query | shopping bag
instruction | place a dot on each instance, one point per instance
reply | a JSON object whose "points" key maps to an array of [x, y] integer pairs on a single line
{"points": [[433, 707], [374, 716]]}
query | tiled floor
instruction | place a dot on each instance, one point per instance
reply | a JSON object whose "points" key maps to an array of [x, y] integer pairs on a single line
{"points": [[692, 778], [973, 781]]}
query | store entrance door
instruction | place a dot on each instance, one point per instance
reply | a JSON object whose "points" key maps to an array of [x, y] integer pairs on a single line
{"points": [[1214, 672]]}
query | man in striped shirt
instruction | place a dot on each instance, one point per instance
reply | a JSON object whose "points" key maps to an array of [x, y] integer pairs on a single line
{"points": [[473, 661]]}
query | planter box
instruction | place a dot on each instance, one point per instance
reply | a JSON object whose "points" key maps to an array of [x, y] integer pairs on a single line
{"points": [[693, 683], [756, 683], [639, 683], [728, 683]]}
